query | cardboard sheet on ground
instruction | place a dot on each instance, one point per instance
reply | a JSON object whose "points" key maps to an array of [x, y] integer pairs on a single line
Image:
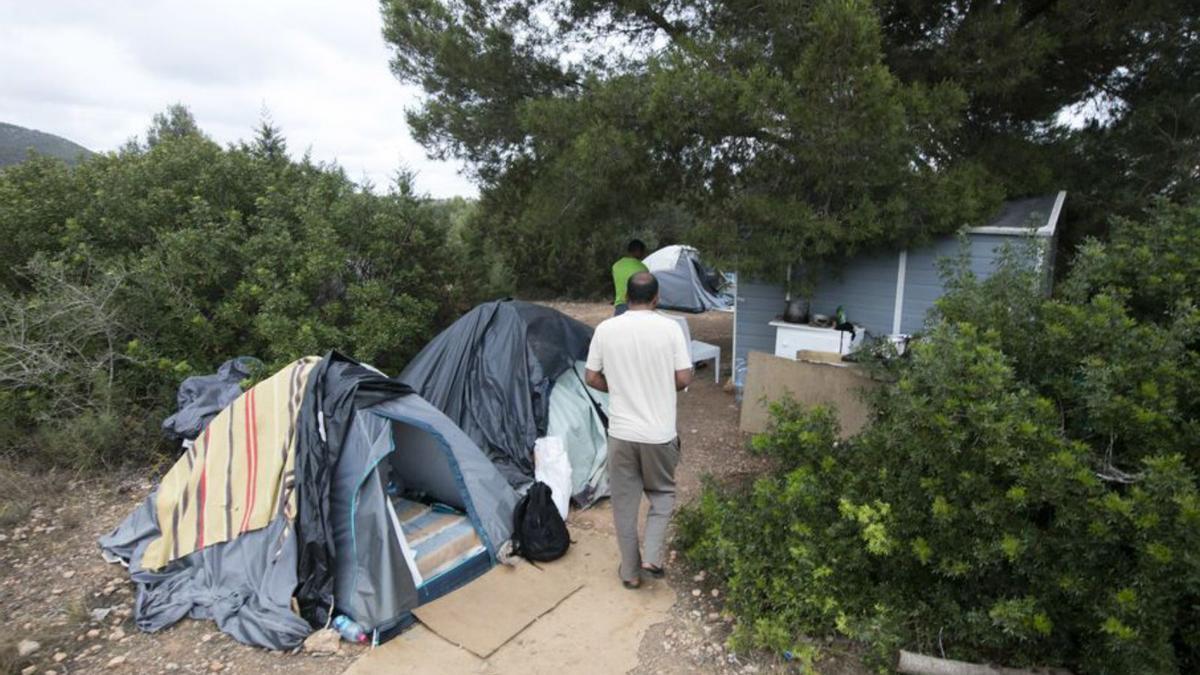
{"points": [[488, 612], [596, 629]]}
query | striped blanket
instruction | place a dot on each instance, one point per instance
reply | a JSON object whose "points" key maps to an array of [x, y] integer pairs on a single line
{"points": [[239, 473]]}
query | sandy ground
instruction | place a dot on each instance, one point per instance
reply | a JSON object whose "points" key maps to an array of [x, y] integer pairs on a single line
{"points": [[593, 630], [56, 591]]}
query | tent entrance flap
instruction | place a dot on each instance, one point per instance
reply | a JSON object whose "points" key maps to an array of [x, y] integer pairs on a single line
{"points": [[401, 458], [418, 467], [428, 510], [413, 526]]}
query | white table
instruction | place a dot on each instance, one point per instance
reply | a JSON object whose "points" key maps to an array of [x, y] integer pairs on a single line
{"points": [[702, 351], [793, 337]]}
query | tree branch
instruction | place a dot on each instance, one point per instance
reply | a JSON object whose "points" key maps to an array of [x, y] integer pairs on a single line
{"points": [[655, 17]]}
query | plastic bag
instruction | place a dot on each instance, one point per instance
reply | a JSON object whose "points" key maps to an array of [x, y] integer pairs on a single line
{"points": [[552, 467]]}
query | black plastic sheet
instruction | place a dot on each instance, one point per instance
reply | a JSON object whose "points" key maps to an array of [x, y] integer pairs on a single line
{"points": [[491, 373], [336, 388]]}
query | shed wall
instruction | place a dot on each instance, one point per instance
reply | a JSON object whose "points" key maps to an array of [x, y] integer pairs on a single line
{"points": [[866, 288], [757, 305]]}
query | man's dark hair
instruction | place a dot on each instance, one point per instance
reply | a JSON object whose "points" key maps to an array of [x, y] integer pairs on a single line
{"points": [[641, 289], [636, 247]]}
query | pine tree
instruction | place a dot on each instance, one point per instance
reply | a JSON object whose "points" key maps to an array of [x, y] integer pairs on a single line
{"points": [[269, 143], [774, 129]]}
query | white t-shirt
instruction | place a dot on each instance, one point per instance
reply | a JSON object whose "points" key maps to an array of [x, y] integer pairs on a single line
{"points": [[638, 353]]}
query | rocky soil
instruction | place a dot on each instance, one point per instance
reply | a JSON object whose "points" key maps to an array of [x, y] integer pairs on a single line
{"points": [[65, 610]]}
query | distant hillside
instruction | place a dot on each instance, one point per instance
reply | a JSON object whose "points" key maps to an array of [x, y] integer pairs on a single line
{"points": [[16, 141]]}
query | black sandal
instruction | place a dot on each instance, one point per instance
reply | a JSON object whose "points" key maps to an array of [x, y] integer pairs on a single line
{"points": [[631, 585], [654, 571]]}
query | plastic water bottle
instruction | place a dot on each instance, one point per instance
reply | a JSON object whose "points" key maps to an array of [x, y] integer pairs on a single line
{"points": [[349, 630], [739, 379]]}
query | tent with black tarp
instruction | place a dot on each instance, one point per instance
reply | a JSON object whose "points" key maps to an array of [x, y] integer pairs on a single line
{"points": [[510, 372], [324, 489]]}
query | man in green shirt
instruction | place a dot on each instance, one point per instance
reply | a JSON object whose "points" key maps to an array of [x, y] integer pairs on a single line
{"points": [[624, 268]]}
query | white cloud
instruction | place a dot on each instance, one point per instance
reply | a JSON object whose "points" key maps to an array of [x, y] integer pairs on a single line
{"points": [[97, 72]]}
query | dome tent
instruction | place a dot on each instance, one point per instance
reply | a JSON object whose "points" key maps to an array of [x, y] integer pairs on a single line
{"points": [[684, 283], [315, 488], [510, 372]]}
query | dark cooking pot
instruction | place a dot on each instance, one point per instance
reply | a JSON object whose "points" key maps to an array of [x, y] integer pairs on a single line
{"points": [[796, 311]]}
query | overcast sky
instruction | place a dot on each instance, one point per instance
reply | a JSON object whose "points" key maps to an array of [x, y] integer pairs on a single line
{"points": [[97, 72]]}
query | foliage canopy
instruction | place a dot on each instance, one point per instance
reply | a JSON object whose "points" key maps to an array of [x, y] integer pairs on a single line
{"points": [[767, 130]]}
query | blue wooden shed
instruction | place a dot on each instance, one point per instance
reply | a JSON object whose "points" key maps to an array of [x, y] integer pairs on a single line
{"points": [[891, 292]]}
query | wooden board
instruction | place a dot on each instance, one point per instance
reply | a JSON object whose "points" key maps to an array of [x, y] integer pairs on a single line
{"points": [[832, 358], [769, 378], [488, 612]]}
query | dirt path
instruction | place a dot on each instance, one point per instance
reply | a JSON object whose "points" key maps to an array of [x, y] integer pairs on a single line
{"points": [[708, 415], [692, 639], [55, 589]]}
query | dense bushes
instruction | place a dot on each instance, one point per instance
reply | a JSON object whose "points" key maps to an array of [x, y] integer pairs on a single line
{"points": [[137, 268], [1025, 493]]}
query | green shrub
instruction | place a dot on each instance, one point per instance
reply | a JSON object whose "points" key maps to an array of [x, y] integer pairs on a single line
{"points": [[139, 268], [1025, 492], [80, 441]]}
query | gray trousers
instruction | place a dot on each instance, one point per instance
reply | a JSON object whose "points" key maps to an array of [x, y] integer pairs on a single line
{"points": [[635, 469]]}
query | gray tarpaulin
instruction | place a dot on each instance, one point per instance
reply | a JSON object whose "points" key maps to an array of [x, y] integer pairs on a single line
{"points": [[351, 421], [201, 397], [244, 585], [575, 419], [684, 284], [337, 388]]}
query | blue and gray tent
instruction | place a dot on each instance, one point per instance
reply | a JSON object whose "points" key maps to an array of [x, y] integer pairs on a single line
{"points": [[328, 488]]}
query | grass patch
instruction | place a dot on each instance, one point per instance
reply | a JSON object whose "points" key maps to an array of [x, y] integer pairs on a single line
{"points": [[16, 498], [77, 615], [22, 490], [10, 662]]}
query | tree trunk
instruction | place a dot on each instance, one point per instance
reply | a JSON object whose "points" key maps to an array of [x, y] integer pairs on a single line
{"points": [[919, 664]]}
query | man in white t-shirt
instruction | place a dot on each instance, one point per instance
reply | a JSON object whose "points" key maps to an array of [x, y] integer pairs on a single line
{"points": [[641, 359]]}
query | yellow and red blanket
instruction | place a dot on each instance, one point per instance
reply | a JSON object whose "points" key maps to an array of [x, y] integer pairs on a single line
{"points": [[238, 474]]}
